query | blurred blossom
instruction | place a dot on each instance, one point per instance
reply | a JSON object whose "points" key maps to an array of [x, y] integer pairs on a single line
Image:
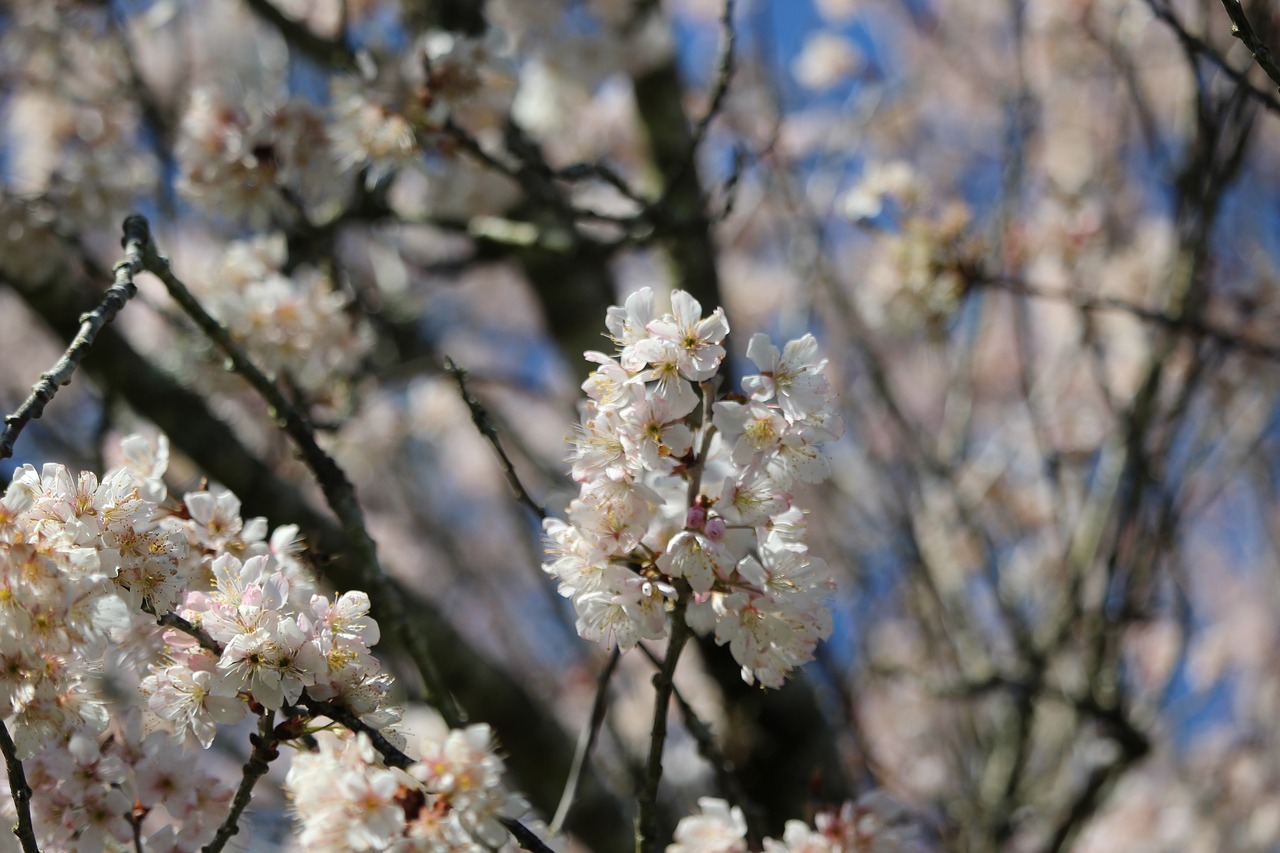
{"points": [[826, 61]]}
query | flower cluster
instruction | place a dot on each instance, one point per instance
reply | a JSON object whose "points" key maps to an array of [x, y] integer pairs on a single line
{"points": [[270, 652], [88, 565], [915, 277], [243, 157], [94, 789], [874, 824], [382, 120], [76, 556], [688, 501], [295, 325], [452, 798], [274, 637]]}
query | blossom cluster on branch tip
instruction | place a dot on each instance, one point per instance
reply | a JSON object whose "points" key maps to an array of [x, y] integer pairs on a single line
{"points": [[247, 156], [88, 565], [91, 791], [872, 824], [297, 326], [451, 799], [687, 499]]}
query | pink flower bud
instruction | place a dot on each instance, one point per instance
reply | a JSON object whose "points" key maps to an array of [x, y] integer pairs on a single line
{"points": [[695, 518], [715, 528]]}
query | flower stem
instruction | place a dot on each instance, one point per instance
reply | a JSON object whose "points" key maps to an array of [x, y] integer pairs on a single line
{"points": [[663, 684]]}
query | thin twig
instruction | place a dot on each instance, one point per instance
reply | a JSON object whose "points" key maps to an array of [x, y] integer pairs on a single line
{"points": [[135, 236], [480, 417], [604, 172], [173, 620], [1243, 30], [719, 90], [586, 741], [710, 752], [525, 836], [663, 685], [20, 791], [264, 752], [338, 490], [1180, 325], [1199, 47], [724, 73], [135, 821]]}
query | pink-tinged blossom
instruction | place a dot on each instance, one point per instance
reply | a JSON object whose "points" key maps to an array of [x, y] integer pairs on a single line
{"points": [[346, 800], [147, 465], [720, 828], [361, 690], [216, 518], [347, 619], [251, 662], [696, 558], [462, 769], [613, 518], [628, 325], [697, 340], [794, 376], [753, 430], [874, 824], [651, 431], [671, 384], [341, 798], [609, 386], [639, 535], [799, 837], [631, 611], [187, 698], [369, 132], [297, 659], [598, 450]]}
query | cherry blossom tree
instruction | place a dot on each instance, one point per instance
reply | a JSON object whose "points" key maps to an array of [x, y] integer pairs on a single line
{"points": [[837, 425]]}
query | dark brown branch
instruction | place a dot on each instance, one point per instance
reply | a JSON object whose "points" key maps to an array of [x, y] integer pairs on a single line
{"points": [[264, 752], [480, 417], [1199, 47], [20, 790], [663, 685], [710, 752], [719, 90], [338, 490], [1243, 30], [539, 750], [135, 236], [588, 739], [685, 224], [264, 749]]}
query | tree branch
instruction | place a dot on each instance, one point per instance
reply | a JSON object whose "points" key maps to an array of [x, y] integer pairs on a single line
{"points": [[20, 791], [1185, 325], [539, 750], [480, 417], [260, 758], [1243, 30], [338, 490], [663, 685], [1199, 47], [135, 236]]}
